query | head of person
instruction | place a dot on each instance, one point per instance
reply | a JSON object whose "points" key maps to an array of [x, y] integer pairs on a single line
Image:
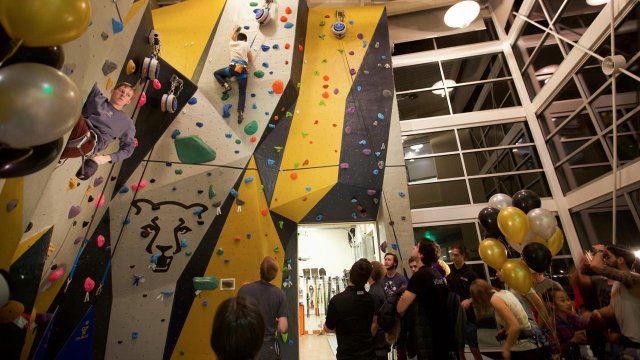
{"points": [[481, 293], [390, 261], [241, 37], [426, 250], [537, 277], [268, 269], [558, 301], [238, 329], [619, 257], [413, 264], [458, 254], [378, 271], [360, 272], [121, 95]]}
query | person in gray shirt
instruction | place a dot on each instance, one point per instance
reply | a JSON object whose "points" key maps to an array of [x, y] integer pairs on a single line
{"points": [[542, 284], [393, 282], [273, 306]]}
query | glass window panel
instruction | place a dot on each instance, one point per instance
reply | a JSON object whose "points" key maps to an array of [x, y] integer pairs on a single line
{"points": [[416, 76], [421, 105], [592, 77], [481, 137], [489, 66], [626, 37], [560, 269], [466, 98], [560, 149], [569, 92], [585, 166], [628, 139], [579, 126], [491, 162], [468, 37], [514, 8], [433, 143], [536, 15], [483, 188], [438, 167], [546, 61], [448, 235], [410, 47], [443, 193]]}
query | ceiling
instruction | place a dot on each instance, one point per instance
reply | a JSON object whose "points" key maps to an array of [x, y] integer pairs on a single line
{"points": [[394, 7]]}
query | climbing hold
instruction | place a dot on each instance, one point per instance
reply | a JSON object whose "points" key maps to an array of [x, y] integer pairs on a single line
{"points": [[74, 211], [199, 124], [252, 139], [175, 134], [278, 86], [126, 221], [265, 64], [228, 135], [322, 23], [251, 128], [319, 217], [156, 84], [352, 71], [293, 176], [265, 48], [276, 249], [135, 335], [287, 10], [376, 171], [362, 142], [212, 192], [108, 67], [351, 52], [325, 78], [377, 153], [288, 25], [248, 179], [12, 204], [366, 151], [371, 192], [280, 224], [192, 101], [177, 172], [205, 303], [100, 241], [283, 18], [308, 188], [104, 36], [336, 91], [72, 183], [131, 67], [401, 194], [271, 162], [233, 192], [238, 141], [305, 162], [225, 110], [380, 116], [253, 3], [325, 95], [277, 148], [344, 165], [193, 150], [364, 44], [359, 88], [98, 181], [220, 251], [387, 93], [56, 274], [205, 283], [225, 96], [142, 100], [117, 25], [100, 201], [321, 36], [360, 36], [322, 103], [124, 190], [300, 48], [275, 46], [287, 45]]}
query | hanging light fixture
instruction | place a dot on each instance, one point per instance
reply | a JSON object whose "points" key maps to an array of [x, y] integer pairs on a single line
{"points": [[462, 14], [596, 2], [448, 83]]}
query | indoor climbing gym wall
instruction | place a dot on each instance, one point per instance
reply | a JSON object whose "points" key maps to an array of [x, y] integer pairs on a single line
{"points": [[134, 261]]}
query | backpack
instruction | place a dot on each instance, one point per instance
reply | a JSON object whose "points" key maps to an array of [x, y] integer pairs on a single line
{"points": [[387, 313]]}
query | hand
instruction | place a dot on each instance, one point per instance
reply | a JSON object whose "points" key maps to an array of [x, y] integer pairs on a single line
{"points": [[506, 354], [596, 314], [101, 159], [597, 263], [466, 303], [579, 337]]}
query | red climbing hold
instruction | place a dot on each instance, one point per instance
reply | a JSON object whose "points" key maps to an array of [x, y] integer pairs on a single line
{"points": [[277, 86], [300, 48], [283, 18], [287, 45], [293, 176], [326, 86], [305, 163], [253, 139], [264, 211], [287, 10], [276, 118], [325, 95], [325, 78], [237, 238]]}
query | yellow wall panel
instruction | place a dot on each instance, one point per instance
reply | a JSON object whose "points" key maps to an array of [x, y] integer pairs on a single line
{"points": [[291, 198], [11, 233]]}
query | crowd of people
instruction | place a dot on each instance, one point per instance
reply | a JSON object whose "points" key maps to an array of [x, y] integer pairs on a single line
{"points": [[436, 312]]}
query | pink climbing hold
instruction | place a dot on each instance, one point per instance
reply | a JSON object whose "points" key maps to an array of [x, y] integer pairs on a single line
{"points": [[100, 201], [56, 274], [371, 192], [89, 284], [366, 151], [142, 184], [142, 100], [277, 86], [156, 84], [74, 211], [300, 48], [100, 240]]}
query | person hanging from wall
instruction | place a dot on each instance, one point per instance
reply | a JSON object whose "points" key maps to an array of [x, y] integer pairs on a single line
{"points": [[241, 56], [102, 121]]}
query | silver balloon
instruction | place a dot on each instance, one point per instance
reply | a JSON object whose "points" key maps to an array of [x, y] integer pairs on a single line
{"points": [[4, 290], [38, 105], [500, 201], [542, 222]]}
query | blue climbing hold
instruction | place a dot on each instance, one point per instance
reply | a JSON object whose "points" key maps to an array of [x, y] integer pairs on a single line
{"points": [[197, 211], [351, 22], [253, 94], [126, 221], [265, 47], [154, 258], [174, 188], [175, 134], [319, 217], [272, 126], [271, 92], [401, 194], [124, 190], [394, 246], [248, 235], [234, 193], [359, 88], [183, 243], [248, 179], [228, 135], [376, 172], [236, 151], [276, 46], [168, 164], [354, 200], [205, 302], [364, 43], [199, 124], [246, 27], [209, 174], [135, 335], [362, 142], [192, 101], [380, 116], [225, 110], [117, 25], [354, 215], [271, 162], [265, 64], [254, 106], [308, 188], [288, 25], [377, 153]]}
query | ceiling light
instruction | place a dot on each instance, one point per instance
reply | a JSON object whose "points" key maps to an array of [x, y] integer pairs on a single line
{"points": [[637, 253], [417, 147], [462, 14], [597, 2], [448, 83]]}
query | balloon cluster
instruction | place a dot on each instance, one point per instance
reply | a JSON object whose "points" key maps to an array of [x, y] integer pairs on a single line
{"points": [[527, 228], [39, 103]]}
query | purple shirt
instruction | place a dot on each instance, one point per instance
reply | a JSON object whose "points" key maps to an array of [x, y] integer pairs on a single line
{"points": [[109, 124]]}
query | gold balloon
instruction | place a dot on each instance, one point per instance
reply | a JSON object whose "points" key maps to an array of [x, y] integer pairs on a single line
{"points": [[514, 224], [517, 275], [555, 242], [45, 22], [493, 252]]}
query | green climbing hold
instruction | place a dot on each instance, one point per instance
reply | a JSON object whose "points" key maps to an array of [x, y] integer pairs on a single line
{"points": [[280, 224], [297, 85], [324, 61], [322, 23], [220, 251], [304, 134], [341, 51], [238, 141], [276, 249], [251, 128], [253, 3], [288, 114], [205, 283], [277, 148], [261, 188], [224, 96], [212, 192], [321, 36], [259, 74], [178, 172], [296, 165], [192, 150], [322, 103], [316, 73]]}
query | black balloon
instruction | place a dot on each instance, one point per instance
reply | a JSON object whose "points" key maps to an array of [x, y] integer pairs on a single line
{"points": [[21, 162], [526, 200], [52, 56], [537, 257], [489, 220]]}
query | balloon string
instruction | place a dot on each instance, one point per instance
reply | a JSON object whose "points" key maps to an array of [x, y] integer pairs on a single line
{"points": [[12, 52]]}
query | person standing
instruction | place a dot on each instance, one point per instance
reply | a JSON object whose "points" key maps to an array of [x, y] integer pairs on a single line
{"points": [[273, 306], [351, 316], [542, 284], [459, 281], [380, 346], [394, 282], [238, 329], [241, 56]]}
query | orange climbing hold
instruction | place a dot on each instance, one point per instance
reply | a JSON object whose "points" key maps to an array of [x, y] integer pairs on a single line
{"points": [[293, 176], [264, 211], [277, 86], [287, 45], [288, 11], [237, 238], [276, 118], [305, 163], [325, 78], [326, 86], [283, 18], [253, 139], [325, 95]]}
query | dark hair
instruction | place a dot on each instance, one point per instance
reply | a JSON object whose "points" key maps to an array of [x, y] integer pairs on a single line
{"points": [[626, 254], [241, 37], [428, 251], [268, 269], [378, 271], [238, 329], [461, 248], [360, 272], [412, 259], [395, 259]]}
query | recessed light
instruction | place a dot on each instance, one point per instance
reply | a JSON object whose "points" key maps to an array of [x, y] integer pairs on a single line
{"points": [[463, 13], [597, 2], [417, 147], [448, 83]]}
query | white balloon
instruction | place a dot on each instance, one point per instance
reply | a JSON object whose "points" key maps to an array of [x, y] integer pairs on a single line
{"points": [[500, 201], [542, 222]]}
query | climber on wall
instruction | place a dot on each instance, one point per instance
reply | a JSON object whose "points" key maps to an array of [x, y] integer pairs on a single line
{"points": [[102, 122], [241, 56]]}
